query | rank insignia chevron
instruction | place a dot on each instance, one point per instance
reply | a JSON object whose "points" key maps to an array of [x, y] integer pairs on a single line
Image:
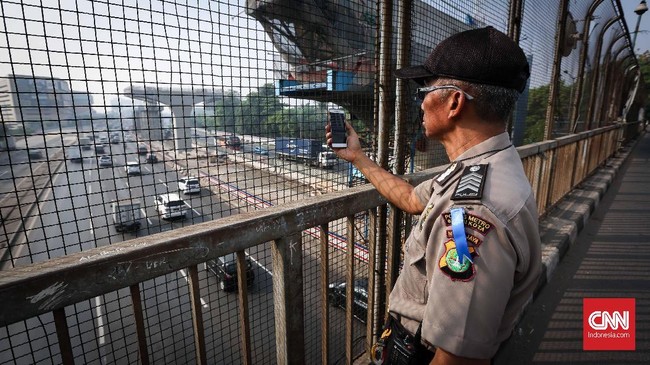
{"points": [[471, 183]]}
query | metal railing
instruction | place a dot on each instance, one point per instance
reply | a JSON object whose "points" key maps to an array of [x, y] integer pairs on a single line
{"points": [[79, 294], [59, 285]]}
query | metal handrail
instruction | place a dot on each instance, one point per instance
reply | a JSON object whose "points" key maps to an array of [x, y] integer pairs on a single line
{"points": [[52, 285]]}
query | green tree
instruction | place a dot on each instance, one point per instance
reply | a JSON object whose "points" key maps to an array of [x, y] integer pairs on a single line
{"points": [[219, 114], [256, 108], [536, 116], [311, 121]]}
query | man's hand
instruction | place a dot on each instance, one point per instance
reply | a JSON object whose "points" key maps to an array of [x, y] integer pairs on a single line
{"points": [[393, 188], [352, 151]]}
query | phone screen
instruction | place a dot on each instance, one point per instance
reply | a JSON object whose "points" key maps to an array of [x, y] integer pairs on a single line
{"points": [[337, 124]]}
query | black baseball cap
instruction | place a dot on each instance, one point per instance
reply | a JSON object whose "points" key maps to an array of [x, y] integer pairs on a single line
{"points": [[482, 56]]}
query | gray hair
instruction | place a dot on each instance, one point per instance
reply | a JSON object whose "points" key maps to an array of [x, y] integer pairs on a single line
{"points": [[493, 103]]}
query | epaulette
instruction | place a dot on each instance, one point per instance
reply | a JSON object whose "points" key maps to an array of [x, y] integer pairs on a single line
{"points": [[471, 183], [448, 173]]}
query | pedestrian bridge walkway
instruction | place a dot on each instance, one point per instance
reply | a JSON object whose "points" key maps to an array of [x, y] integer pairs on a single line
{"points": [[603, 252]]}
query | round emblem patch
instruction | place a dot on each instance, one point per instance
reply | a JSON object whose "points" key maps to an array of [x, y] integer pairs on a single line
{"points": [[454, 263]]}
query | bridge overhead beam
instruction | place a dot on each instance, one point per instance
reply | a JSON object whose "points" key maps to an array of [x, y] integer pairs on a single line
{"points": [[181, 102]]}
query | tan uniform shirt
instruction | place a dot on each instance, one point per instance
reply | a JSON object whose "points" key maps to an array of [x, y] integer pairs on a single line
{"points": [[470, 309]]}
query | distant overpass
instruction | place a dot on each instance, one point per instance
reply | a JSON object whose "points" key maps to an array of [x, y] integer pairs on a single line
{"points": [[181, 102]]}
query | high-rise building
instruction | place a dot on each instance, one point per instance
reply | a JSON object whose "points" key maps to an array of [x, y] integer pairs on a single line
{"points": [[36, 103]]}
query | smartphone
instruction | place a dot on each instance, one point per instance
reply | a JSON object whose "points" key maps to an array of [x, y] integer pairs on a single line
{"points": [[337, 127]]}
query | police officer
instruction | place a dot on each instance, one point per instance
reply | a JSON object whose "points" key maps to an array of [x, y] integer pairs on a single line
{"points": [[473, 259]]}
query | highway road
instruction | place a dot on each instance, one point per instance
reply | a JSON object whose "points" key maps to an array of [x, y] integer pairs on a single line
{"points": [[73, 215]]}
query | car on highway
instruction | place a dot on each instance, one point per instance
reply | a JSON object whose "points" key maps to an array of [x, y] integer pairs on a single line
{"points": [[132, 168], [337, 295], [105, 160], [189, 185], [225, 269], [73, 153], [260, 151], [170, 206], [142, 149], [35, 153], [99, 148], [151, 157]]}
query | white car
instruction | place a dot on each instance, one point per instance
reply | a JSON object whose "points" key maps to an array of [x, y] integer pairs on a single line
{"points": [[132, 168], [170, 206], [189, 185], [105, 160]]}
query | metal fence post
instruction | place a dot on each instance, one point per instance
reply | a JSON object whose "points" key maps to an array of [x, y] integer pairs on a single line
{"points": [[288, 299]]}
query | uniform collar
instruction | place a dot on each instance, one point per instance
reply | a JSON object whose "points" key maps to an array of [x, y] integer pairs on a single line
{"points": [[498, 142]]}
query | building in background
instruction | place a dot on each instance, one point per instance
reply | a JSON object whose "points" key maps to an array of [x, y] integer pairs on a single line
{"points": [[36, 104]]}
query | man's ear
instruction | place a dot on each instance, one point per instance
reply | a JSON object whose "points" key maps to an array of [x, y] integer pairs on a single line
{"points": [[456, 102]]}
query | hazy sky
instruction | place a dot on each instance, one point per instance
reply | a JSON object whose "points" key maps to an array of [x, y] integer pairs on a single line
{"points": [[106, 46]]}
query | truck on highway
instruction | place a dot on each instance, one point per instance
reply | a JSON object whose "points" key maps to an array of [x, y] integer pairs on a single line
{"points": [[126, 214], [309, 151], [232, 142], [73, 153], [85, 142], [327, 159]]}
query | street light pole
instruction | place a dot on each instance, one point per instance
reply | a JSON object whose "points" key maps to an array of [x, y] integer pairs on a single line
{"points": [[640, 10], [573, 82]]}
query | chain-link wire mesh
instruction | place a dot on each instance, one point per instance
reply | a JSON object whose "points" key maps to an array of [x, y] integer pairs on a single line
{"points": [[132, 118]]}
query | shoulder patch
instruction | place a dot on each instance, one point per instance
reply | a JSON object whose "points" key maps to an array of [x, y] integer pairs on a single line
{"points": [[473, 222], [470, 238], [451, 266], [471, 183]]}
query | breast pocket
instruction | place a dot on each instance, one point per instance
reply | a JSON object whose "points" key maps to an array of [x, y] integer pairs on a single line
{"points": [[414, 274]]}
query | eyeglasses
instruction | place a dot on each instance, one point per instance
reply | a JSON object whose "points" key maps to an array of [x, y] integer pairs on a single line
{"points": [[422, 92]]}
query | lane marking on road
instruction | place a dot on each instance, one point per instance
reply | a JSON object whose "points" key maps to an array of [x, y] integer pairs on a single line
{"points": [[203, 303], [92, 229], [144, 214]]}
